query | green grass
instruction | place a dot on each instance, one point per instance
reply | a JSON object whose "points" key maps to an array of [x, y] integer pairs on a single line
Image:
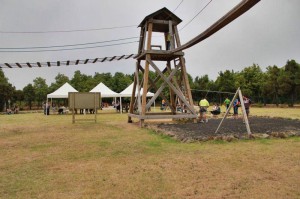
{"points": [[49, 157]]}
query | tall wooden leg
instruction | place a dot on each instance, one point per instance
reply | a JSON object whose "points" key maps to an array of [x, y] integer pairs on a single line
{"points": [[131, 107], [145, 90]]}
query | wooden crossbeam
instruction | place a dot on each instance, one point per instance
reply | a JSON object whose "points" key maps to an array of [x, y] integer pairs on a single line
{"points": [[153, 84], [121, 57], [112, 58], [19, 65], [8, 65], [179, 94], [163, 85], [129, 56], [29, 65]]}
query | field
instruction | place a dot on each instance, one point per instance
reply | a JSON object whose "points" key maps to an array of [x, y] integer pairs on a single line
{"points": [[49, 157]]}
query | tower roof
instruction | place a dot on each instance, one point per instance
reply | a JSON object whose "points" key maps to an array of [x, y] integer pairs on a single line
{"points": [[162, 14]]}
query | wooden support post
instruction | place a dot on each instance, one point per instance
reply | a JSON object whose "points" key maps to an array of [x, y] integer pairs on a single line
{"points": [[184, 72], [95, 109], [237, 94], [227, 111], [171, 91], [163, 85], [172, 87], [141, 42], [131, 108], [244, 113], [158, 91], [172, 36], [146, 74]]}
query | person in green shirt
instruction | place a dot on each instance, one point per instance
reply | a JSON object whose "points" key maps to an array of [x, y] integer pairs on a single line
{"points": [[204, 104], [227, 103]]}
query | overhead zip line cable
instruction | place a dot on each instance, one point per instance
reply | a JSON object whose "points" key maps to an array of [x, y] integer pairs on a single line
{"points": [[23, 51], [39, 47], [66, 31], [196, 15], [178, 6]]}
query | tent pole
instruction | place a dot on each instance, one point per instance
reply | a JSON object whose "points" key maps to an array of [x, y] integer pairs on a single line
{"points": [[121, 105]]}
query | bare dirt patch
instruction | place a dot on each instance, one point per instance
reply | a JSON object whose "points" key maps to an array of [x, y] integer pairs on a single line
{"points": [[232, 129]]}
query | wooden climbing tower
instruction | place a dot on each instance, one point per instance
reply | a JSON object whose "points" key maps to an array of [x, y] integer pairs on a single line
{"points": [[171, 80]]}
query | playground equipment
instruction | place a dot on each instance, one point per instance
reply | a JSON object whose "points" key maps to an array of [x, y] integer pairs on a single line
{"points": [[173, 74]]}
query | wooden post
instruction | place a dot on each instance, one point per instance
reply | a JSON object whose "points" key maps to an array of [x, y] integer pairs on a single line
{"points": [[244, 113], [184, 73], [227, 111], [171, 33], [171, 91], [73, 112], [146, 74], [95, 109], [131, 106]]}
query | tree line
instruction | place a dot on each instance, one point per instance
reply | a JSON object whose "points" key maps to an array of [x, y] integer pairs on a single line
{"points": [[277, 85]]}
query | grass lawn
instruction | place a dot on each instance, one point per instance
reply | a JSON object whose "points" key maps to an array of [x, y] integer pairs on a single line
{"points": [[49, 157]]}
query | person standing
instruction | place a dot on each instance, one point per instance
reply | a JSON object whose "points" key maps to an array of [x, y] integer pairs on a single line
{"points": [[168, 41], [163, 105], [47, 108], [204, 104], [227, 103], [236, 104], [247, 103]]}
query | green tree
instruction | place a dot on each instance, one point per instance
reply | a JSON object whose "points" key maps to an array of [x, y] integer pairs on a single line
{"points": [[290, 81], [105, 78], [29, 95], [41, 90], [81, 82], [6, 90], [226, 81], [18, 97], [120, 82], [201, 86], [270, 86], [60, 80], [250, 80]]}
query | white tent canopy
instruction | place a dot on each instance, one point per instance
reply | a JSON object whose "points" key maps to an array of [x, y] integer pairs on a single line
{"points": [[105, 91], [62, 92], [127, 92]]}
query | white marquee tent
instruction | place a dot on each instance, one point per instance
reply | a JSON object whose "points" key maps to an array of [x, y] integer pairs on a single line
{"points": [[127, 92], [105, 91], [62, 92]]}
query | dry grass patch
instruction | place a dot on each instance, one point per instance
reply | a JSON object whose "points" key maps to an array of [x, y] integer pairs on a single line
{"points": [[291, 113], [49, 157]]}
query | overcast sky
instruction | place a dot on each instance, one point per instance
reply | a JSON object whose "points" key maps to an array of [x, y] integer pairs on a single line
{"points": [[268, 34]]}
